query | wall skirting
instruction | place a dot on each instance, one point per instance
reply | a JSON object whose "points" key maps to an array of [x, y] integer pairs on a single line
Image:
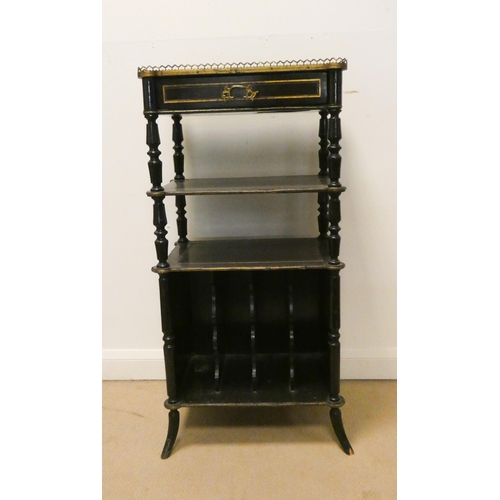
{"points": [[147, 364]]}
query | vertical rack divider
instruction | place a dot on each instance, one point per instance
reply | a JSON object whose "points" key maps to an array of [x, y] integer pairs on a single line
{"points": [[291, 332], [252, 333], [215, 340]]}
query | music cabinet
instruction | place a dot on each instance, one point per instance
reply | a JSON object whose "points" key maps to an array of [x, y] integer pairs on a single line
{"points": [[253, 321]]}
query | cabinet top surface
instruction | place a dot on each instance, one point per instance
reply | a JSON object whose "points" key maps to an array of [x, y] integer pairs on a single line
{"points": [[242, 68]]}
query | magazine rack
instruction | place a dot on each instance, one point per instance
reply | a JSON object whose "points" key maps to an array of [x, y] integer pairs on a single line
{"points": [[254, 321]]}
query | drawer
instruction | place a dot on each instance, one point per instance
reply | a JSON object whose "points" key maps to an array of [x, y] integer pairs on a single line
{"points": [[242, 92]]}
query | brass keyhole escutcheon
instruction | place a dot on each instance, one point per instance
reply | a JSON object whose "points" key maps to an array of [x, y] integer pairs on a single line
{"points": [[249, 95]]}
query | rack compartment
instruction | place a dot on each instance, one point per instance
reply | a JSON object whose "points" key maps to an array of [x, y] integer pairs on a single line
{"points": [[255, 337]]}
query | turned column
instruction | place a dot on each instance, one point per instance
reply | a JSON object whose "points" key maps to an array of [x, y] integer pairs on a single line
{"points": [[156, 192], [334, 161], [334, 335], [168, 338], [172, 403]]}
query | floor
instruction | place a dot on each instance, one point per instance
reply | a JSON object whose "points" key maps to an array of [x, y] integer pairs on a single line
{"points": [[248, 453]]}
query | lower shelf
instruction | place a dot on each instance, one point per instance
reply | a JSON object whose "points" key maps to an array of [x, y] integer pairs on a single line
{"points": [[250, 254], [272, 387]]}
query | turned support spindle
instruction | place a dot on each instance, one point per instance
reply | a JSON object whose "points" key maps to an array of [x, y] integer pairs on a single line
{"points": [[323, 143], [169, 355], [180, 201], [157, 191], [160, 221], [334, 161], [168, 338], [153, 141], [323, 172], [334, 229], [334, 336], [335, 400], [178, 137]]}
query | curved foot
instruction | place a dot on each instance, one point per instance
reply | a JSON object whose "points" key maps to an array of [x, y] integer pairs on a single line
{"points": [[173, 427], [338, 427]]}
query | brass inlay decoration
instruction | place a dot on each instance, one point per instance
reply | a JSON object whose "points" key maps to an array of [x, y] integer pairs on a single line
{"points": [[225, 68], [250, 94]]}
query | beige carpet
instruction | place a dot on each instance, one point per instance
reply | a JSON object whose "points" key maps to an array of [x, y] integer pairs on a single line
{"points": [[248, 453]]}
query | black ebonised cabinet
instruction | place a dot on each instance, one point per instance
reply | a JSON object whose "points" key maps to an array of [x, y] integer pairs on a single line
{"points": [[249, 321]]}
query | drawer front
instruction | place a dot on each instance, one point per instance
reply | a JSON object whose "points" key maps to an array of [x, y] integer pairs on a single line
{"points": [[245, 92]]}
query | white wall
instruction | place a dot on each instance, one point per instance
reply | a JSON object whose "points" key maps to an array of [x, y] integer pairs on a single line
{"points": [[151, 32]]}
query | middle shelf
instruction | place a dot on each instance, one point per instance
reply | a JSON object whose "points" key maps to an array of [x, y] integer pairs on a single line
{"points": [[251, 185]]}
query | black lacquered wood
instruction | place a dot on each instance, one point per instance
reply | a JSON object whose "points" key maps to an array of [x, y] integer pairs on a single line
{"points": [[149, 95], [334, 335], [323, 215], [291, 332], [173, 428], [250, 254], [178, 137], [168, 337], [251, 185], [236, 92], [155, 173], [253, 343], [334, 217], [334, 88], [237, 386], [161, 242], [251, 321], [153, 141], [180, 203], [323, 174], [323, 143], [338, 427], [254, 370], [215, 338], [334, 159]]}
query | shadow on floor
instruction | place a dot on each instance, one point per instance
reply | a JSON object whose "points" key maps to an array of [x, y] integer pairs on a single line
{"points": [[368, 405]]}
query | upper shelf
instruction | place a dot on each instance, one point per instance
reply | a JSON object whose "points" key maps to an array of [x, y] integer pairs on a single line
{"points": [[249, 185]]}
